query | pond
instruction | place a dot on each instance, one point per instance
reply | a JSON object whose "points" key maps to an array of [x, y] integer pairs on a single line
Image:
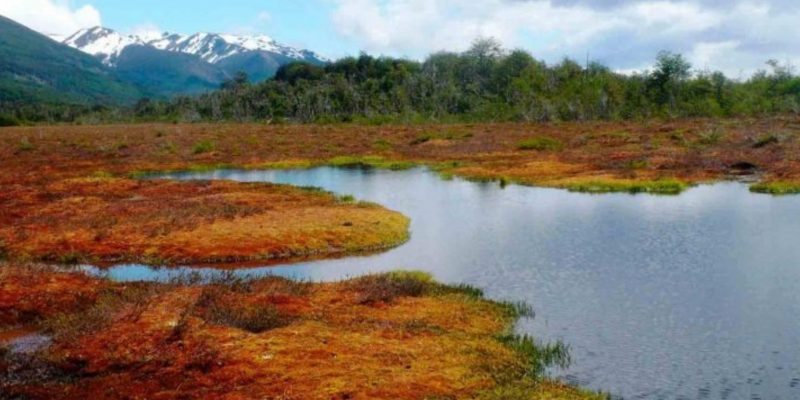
{"points": [[695, 296]]}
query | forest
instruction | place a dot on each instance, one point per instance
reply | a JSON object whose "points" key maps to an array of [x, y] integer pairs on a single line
{"points": [[483, 84]]}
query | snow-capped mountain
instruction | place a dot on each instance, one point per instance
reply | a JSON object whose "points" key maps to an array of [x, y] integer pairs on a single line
{"points": [[108, 44], [103, 43]]}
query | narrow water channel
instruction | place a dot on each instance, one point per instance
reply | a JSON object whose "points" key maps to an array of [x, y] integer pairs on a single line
{"points": [[694, 296]]}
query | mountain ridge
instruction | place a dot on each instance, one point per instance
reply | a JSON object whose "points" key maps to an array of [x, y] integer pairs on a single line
{"points": [[108, 44], [36, 69]]}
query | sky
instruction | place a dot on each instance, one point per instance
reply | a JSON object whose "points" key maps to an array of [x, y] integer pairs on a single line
{"points": [[734, 36]]}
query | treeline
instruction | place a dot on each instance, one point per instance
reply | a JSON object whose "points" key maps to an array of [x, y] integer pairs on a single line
{"points": [[485, 83]]}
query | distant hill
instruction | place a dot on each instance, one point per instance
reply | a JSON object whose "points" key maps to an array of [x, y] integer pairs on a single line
{"points": [[160, 73], [37, 69]]}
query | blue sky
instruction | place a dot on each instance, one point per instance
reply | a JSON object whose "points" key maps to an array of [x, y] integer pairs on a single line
{"points": [[304, 23], [734, 36]]}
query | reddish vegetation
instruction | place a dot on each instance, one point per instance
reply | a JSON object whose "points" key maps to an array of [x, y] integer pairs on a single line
{"points": [[693, 150], [66, 195], [401, 337], [118, 219], [26, 295]]}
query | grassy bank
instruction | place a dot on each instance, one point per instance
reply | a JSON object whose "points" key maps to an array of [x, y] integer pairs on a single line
{"points": [[399, 335]]}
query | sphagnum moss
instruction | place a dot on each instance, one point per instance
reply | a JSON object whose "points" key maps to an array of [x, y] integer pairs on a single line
{"points": [[267, 337]]}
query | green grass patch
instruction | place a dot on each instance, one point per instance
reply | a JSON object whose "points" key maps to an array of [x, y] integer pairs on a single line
{"points": [[637, 164], [767, 139], [441, 135], [538, 357], [541, 144], [665, 186], [370, 162], [287, 164], [711, 136], [776, 188], [25, 145], [204, 146], [382, 145]]}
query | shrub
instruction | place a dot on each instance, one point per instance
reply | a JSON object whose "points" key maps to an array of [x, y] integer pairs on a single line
{"points": [[541, 144], [766, 140], [25, 145], [203, 146], [96, 314], [383, 288], [255, 318], [711, 136], [382, 145], [347, 199], [444, 135], [7, 120]]}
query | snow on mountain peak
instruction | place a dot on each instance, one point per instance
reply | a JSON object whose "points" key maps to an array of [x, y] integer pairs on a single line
{"points": [[211, 47], [102, 42]]}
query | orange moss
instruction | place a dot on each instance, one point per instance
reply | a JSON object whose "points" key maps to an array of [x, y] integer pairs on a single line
{"points": [[117, 219], [435, 343], [31, 294]]}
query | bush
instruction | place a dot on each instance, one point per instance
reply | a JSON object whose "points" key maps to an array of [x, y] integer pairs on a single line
{"points": [[7, 120], [25, 145], [766, 140], [711, 136], [204, 146], [384, 288], [541, 144], [254, 318]]}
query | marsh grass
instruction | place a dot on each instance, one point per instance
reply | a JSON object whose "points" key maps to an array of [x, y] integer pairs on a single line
{"points": [[767, 139], [537, 357], [204, 146], [776, 188], [382, 145], [384, 288], [369, 162], [99, 313], [711, 136], [255, 318], [449, 134], [663, 186], [346, 199], [222, 300], [25, 145], [542, 143]]}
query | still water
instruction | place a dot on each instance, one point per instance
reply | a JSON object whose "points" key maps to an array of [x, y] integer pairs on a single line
{"points": [[694, 296]]}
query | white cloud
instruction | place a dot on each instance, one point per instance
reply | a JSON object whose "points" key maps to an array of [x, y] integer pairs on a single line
{"points": [[735, 36], [56, 17], [264, 17], [147, 31]]}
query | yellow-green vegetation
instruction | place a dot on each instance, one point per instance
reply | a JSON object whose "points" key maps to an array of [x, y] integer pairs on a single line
{"points": [[777, 187], [541, 144], [664, 186], [447, 134], [203, 146], [369, 161]]}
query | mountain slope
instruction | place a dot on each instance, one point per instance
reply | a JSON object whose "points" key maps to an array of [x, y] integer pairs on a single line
{"points": [[161, 73], [34, 68]]}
